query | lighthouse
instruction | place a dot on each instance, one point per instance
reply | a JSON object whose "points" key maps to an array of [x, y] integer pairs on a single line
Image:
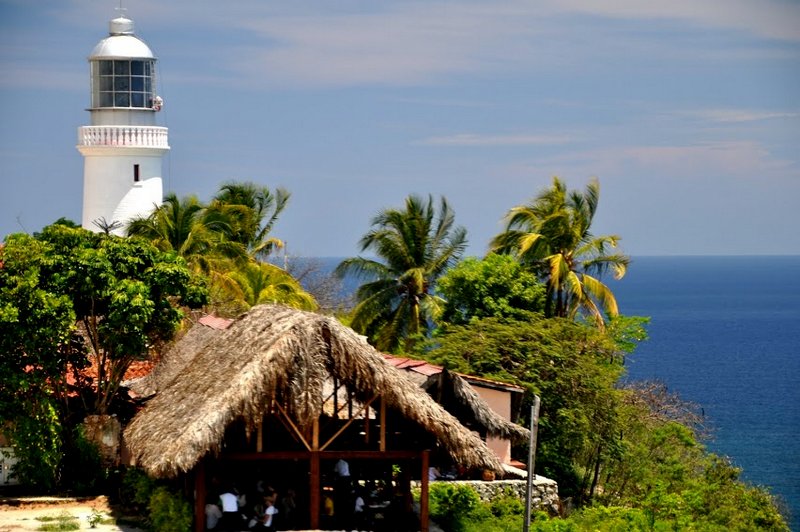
{"points": [[123, 148]]}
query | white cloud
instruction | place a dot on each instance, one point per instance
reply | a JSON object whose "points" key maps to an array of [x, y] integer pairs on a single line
{"points": [[732, 159], [470, 139], [764, 18], [733, 116]]}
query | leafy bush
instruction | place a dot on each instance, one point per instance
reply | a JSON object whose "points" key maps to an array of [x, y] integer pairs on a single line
{"points": [[82, 467], [137, 488], [36, 439], [169, 512], [452, 504]]}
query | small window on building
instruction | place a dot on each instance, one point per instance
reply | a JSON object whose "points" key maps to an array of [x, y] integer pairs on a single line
{"points": [[135, 173]]}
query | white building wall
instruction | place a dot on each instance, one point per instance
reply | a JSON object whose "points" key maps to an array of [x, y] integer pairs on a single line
{"points": [[109, 190]]}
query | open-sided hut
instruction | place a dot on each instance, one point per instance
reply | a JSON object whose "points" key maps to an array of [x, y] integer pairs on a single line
{"points": [[254, 394]]}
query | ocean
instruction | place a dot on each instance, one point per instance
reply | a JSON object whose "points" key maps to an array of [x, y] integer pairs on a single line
{"points": [[724, 333]]}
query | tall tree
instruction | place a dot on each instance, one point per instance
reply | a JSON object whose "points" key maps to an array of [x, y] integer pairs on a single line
{"points": [[415, 246], [187, 227], [252, 211], [255, 283], [552, 235], [125, 295]]}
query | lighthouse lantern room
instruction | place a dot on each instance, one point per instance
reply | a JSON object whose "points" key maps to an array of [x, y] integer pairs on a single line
{"points": [[123, 147]]}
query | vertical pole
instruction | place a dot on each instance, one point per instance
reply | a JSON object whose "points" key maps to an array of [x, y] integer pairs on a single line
{"points": [[200, 496], [383, 426], [423, 494], [526, 526], [314, 489]]}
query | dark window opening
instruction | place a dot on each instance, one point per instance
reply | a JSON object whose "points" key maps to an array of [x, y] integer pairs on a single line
{"points": [[135, 173]]}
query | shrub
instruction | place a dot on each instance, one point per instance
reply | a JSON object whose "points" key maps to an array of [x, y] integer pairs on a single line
{"points": [[451, 505], [137, 488], [169, 512], [82, 467]]}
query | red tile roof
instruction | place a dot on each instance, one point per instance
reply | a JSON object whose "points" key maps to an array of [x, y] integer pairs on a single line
{"points": [[427, 369]]}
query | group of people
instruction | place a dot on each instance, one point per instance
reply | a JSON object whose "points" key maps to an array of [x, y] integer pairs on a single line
{"points": [[232, 511]]}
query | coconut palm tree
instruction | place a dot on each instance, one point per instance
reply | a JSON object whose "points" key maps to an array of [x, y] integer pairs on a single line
{"points": [[186, 227], [414, 246], [551, 234], [252, 211], [256, 283]]}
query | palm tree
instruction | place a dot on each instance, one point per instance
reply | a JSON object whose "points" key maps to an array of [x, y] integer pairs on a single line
{"points": [[252, 211], [186, 227], [551, 234], [255, 283], [416, 245]]}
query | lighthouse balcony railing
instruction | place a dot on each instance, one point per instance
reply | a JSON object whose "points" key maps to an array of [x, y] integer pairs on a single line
{"points": [[130, 136]]}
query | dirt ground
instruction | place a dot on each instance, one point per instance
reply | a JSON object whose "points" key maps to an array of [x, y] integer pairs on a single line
{"points": [[21, 514]]}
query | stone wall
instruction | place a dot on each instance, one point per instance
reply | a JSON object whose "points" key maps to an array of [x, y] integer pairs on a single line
{"points": [[543, 497]]}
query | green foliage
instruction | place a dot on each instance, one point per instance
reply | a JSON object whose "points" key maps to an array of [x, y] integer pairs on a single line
{"points": [[451, 505], [250, 212], [458, 508], [552, 235], [416, 245], [95, 518], [62, 521], [257, 283], [82, 469], [496, 286], [570, 366], [35, 435], [124, 293], [169, 512], [137, 487]]}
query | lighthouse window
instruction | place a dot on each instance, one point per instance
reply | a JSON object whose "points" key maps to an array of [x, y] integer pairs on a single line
{"points": [[122, 83]]}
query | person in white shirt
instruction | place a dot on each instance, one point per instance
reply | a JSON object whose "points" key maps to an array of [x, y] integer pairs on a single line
{"points": [[230, 511]]}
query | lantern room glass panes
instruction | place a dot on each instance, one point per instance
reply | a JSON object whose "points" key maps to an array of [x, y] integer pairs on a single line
{"points": [[123, 83]]}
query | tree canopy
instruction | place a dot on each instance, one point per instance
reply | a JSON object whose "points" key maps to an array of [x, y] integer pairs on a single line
{"points": [[496, 286], [414, 246], [552, 235]]}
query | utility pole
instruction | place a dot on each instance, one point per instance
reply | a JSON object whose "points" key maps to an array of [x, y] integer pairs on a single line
{"points": [[526, 526]]}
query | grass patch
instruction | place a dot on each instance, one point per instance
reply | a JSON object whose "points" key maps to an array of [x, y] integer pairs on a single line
{"points": [[62, 521]]}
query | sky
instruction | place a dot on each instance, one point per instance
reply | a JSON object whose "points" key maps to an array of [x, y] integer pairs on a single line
{"points": [[688, 112]]}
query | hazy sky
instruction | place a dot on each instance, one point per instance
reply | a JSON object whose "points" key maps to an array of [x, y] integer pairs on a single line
{"points": [[688, 111]]}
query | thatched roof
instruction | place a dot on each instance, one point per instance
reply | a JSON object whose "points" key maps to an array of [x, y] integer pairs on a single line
{"points": [[470, 405], [177, 357], [274, 352], [455, 392]]}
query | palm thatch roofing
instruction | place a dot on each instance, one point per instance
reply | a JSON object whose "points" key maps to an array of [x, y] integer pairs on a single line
{"points": [[278, 353], [460, 398], [178, 357]]}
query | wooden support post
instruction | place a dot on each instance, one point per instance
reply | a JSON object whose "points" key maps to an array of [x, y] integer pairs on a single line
{"points": [[315, 435], [260, 436], [335, 396], [366, 427], [382, 446], [314, 490], [200, 496], [423, 494]]}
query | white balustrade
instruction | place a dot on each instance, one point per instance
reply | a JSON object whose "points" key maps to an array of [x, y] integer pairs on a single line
{"points": [[130, 136]]}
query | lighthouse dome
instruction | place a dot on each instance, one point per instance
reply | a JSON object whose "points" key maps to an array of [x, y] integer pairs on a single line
{"points": [[121, 43]]}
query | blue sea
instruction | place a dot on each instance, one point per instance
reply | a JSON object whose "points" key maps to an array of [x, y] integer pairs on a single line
{"points": [[725, 334]]}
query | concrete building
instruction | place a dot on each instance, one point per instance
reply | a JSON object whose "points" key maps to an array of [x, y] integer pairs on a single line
{"points": [[123, 148]]}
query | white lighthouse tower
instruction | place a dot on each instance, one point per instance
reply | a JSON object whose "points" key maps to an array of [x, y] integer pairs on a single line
{"points": [[122, 148]]}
